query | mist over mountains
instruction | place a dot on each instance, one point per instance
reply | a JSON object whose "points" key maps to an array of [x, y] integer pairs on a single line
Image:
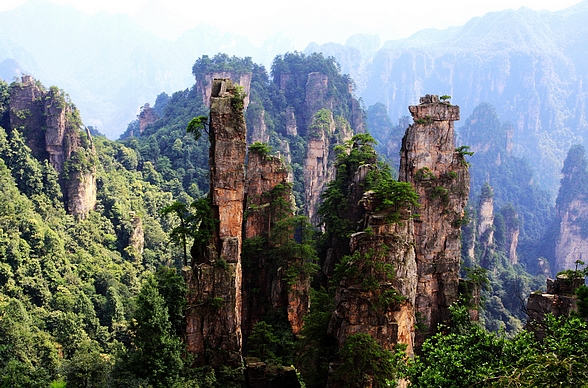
{"points": [[528, 64]]}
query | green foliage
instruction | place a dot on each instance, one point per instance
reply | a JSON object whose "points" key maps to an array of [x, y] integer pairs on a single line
{"points": [[221, 63], [582, 295], [392, 196], [364, 360], [427, 120], [425, 173], [321, 123], [196, 125], [237, 102], [466, 355], [261, 341], [315, 348], [157, 352], [216, 302], [263, 149]]}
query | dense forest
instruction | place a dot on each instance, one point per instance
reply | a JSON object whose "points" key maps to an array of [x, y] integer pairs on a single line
{"points": [[98, 299]]}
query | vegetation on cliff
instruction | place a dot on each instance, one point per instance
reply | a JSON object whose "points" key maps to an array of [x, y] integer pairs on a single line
{"points": [[99, 301]]}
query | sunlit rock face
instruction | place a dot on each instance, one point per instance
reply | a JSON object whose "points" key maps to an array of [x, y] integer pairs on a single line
{"points": [[439, 174], [53, 131], [213, 331]]}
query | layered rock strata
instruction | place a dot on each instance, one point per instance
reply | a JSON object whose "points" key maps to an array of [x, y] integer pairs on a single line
{"points": [[205, 86], [572, 242], [52, 130], [378, 296], [266, 287], [147, 117], [213, 331], [559, 300], [439, 174]]}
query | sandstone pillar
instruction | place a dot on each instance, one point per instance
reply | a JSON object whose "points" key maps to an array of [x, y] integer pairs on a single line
{"points": [[213, 331], [439, 174]]}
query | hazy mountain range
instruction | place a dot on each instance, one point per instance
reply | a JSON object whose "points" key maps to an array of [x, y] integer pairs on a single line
{"points": [[531, 65]]}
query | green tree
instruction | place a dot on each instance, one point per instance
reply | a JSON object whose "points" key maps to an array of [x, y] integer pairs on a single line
{"points": [[157, 352], [365, 361]]}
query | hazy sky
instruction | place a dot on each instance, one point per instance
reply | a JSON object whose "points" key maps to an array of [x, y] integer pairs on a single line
{"points": [[303, 21]]}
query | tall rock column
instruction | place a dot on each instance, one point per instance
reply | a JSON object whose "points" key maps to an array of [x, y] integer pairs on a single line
{"points": [[266, 287], [439, 174], [213, 331], [53, 130]]}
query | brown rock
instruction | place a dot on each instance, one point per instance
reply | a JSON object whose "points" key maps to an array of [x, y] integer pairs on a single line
{"points": [[559, 300], [204, 88], [571, 245], [147, 117], [52, 131], [213, 331], [266, 287], [440, 176]]}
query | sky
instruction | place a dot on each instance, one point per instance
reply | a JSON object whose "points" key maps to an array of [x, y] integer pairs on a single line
{"points": [[303, 21]]}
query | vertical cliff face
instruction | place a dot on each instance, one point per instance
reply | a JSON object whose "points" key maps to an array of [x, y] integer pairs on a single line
{"points": [[439, 174], [324, 133], [271, 283], [377, 293], [572, 211], [52, 129], [147, 117], [213, 331], [511, 233], [205, 87], [572, 243], [559, 300], [318, 166]]}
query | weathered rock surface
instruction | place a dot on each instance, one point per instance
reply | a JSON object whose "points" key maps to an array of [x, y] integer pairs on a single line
{"points": [[146, 117], [319, 165], [205, 87], [559, 300], [385, 309], [439, 174], [571, 244], [318, 171], [213, 331], [51, 127], [486, 219], [266, 288]]}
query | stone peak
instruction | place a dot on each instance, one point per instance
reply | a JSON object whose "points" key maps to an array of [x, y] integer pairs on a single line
{"points": [[431, 108], [429, 99]]}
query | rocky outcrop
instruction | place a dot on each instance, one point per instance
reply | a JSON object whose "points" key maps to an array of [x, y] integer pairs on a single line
{"points": [[559, 300], [147, 117], [291, 127], [204, 87], [486, 219], [137, 237], [52, 128], [377, 295], [317, 96], [213, 316], [439, 174], [511, 233], [319, 165], [258, 131], [572, 243], [267, 286], [572, 211]]}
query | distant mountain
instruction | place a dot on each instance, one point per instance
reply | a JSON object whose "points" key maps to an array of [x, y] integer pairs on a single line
{"points": [[109, 63], [530, 65]]}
